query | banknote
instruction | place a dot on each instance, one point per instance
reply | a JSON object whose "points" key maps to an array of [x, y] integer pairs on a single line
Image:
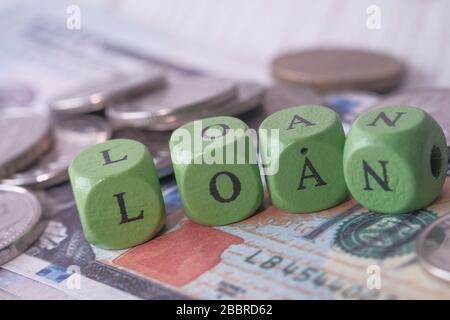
{"points": [[41, 58], [15, 286], [346, 252], [62, 254]]}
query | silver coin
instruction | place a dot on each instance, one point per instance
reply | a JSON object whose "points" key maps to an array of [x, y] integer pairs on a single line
{"points": [[16, 95], [25, 137], [434, 101], [248, 96], [156, 142], [20, 221], [433, 248], [69, 138], [94, 97], [165, 109]]}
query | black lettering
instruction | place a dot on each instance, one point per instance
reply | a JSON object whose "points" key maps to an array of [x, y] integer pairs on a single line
{"points": [[314, 174], [297, 120], [107, 158], [250, 259], [290, 269], [215, 192], [306, 274], [272, 262], [123, 210], [384, 183], [384, 117]]}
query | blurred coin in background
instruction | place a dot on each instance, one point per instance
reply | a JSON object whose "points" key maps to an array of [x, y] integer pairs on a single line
{"points": [[248, 96], [435, 101], [15, 95], [156, 142], [25, 137], [182, 98], [20, 221], [339, 69], [433, 248], [277, 98], [69, 138], [94, 97]]}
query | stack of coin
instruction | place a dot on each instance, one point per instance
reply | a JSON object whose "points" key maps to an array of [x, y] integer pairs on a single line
{"points": [[339, 69], [154, 102], [20, 221], [36, 153], [25, 137], [95, 97], [70, 136], [185, 99]]}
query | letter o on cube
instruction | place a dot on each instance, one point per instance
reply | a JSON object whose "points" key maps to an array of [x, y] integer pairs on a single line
{"points": [[395, 159], [307, 173], [117, 194], [216, 170]]}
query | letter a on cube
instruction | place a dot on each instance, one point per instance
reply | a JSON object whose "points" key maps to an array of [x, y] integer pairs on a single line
{"points": [[310, 172]]}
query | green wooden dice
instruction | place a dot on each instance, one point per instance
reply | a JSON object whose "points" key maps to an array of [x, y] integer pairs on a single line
{"points": [[117, 193], [395, 159], [215, 167], [307, 173]]}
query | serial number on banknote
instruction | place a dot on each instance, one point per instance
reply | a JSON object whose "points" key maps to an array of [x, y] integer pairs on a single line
{"points": [[294, 272]]}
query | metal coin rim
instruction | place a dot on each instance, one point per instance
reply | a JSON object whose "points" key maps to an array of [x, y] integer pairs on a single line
{"points": [[54, 177], [230, 107], [380, 82], [431, 268], [165, 122], [27, 157], [98, 100], [35, 229]]}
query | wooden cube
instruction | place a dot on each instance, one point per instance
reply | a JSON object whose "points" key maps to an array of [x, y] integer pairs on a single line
{"points": [[117, 194], [395, 159], [215, 167], [308, 173]]}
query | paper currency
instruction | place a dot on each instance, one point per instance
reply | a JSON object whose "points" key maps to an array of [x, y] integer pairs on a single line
{"points": [[62, 254], [341, 253], [345, 252]]}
